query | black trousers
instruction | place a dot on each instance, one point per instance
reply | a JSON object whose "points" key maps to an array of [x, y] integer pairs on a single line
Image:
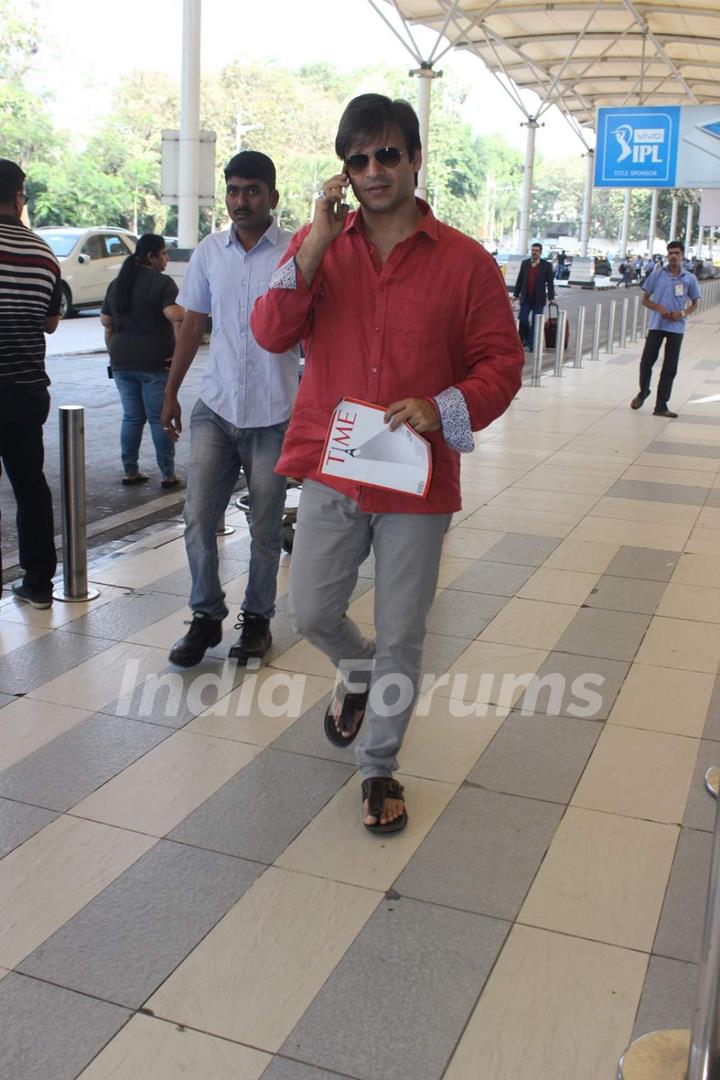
{"points": [[22, 415], [653, 341]]}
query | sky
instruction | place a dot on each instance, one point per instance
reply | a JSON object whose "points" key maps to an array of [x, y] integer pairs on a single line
{"points": [[92, 43]]}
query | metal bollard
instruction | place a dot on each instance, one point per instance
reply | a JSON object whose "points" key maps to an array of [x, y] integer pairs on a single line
{"points": [[560, 342], [680, 1054], [222, 529], [538, 338], [624, 322], [74, 522], [635, 317], [577, 362], [595, 349], [643, 332], [610, 344]]}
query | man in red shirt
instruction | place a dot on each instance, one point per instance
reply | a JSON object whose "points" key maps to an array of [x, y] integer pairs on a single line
{"points": [[399, 310], [534, 287]]}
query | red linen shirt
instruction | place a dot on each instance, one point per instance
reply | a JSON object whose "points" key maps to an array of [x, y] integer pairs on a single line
{"points": [[436, 315], [532, 278]]}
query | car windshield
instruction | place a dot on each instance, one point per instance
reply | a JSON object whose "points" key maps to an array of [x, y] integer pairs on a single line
{"points": [[59, 243]]}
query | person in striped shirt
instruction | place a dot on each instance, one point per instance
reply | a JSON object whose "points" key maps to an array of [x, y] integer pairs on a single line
{"points": [[29, 309]]}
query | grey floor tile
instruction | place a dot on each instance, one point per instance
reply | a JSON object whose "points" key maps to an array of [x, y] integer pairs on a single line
{"points": [[626, 594], [580, 686], [668, 997], [306, 736], [689, 449], [540, 757], [397, 1003], [179, 583], [523, 549], [285, 1069], [713, 498], [126, 941], [65, 770], [47, 1033], [705, 365], [679, 933], [494, 579], [712, 723], [440, 651], [482, 853], [28, 667], [6, 699], [260, 810], [463, 614], [700, 807], [125, 616], [615, 635], [658, 492], [645, 564], [19, 822], [174, 696]]}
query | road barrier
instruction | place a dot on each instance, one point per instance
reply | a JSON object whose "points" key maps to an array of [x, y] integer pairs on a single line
{"points": [[74, 515]]}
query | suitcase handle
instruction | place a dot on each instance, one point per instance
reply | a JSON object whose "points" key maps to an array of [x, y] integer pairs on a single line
{"points": [[553, 304]]}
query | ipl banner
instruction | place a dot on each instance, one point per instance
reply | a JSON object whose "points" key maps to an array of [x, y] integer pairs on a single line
{"points": [[658, 146]]}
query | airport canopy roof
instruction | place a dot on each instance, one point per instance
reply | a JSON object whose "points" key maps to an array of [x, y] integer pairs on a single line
{"points": [[582, 54]]}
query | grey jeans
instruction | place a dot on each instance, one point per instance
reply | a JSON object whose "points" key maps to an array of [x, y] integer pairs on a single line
{"points": [[333, 537]]}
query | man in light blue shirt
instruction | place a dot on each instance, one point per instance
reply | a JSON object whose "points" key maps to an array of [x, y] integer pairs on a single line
{"points": [[240, 418], [666, 292]]}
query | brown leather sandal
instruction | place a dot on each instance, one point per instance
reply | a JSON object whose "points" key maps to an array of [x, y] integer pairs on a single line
{"points": [[376, 790]]}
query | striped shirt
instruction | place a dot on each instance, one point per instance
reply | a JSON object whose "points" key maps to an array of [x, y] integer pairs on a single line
{"points": [[29, 293]]}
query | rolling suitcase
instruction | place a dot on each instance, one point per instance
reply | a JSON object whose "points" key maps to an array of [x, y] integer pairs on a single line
{"points": [[551, 327]]}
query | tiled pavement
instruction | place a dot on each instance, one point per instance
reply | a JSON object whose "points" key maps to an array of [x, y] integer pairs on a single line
{"points": [[186, 887]]}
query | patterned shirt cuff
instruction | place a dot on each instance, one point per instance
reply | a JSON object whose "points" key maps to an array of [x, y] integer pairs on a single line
{"points": [[455, 420], [285, 277]]}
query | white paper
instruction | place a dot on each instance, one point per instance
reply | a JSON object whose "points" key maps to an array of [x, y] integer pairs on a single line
{"points": [[361, 447]]}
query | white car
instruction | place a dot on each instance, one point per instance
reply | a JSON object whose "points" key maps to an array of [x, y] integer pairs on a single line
{"points": [[89, 260]]}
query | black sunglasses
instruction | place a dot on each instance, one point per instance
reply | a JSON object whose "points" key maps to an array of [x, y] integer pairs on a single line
{"points": [[387, 156]]}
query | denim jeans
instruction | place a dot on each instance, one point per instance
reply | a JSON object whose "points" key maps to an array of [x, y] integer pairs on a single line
{"points": [[142, 394], [526, 321], [218, 450]]}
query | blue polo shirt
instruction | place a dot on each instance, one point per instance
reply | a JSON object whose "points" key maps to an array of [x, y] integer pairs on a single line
{"points": [[244, 384], [673, 293]]}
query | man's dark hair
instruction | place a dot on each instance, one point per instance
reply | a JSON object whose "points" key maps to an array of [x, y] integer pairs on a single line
{"points": [[676, 244], [12, 179], [252, 165], [536, 245], [370, 116]]}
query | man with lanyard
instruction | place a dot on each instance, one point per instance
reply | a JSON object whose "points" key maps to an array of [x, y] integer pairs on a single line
{"points": [[29, 309], [666, 292], [240, 418], [534, 286], [399, 310]]}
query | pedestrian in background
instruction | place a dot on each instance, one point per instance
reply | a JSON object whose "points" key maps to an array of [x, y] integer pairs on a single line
{"points": [[533, 288], [140, 318], [29, 309]]}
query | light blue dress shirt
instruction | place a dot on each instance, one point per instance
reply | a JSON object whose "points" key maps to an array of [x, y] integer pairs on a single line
{"points": [[660, 286], [243, 384]]}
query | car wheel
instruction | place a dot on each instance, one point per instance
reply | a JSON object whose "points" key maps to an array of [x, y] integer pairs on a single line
{"points": [[66, 308]]}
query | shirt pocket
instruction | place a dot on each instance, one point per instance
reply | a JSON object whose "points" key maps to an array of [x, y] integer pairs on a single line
{"points": [[417, 313]]}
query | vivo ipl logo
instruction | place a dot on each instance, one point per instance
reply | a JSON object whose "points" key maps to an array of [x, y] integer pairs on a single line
{"points": [[637, 147]]}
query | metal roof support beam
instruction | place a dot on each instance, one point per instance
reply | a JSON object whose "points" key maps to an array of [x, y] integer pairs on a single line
{"points": [[625, 230], [688, 228], [653, 219], [587, 202], [527, 186], [189, 149], [409, 42], [425, 76], [546, 101], [674, 216], [677, 74]]}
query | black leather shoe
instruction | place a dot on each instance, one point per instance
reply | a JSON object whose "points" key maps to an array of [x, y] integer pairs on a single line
{"points": [[255, 638], [637, 402], [666, 413], [203, 632]]}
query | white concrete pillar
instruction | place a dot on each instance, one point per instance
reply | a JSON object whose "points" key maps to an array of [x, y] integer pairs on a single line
{"points": [[653, 219], [688, 229], [625, 231], [189, 163], [674, 218], [587, 202], [527, 186], [425, 76]]}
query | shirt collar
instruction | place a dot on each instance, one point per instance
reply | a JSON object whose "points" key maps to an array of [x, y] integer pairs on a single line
{"points": [[10, 219], [271, 236], [428, 222]]}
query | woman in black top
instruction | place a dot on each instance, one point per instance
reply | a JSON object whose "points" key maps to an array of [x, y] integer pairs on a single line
{"points": [[140, 317]]}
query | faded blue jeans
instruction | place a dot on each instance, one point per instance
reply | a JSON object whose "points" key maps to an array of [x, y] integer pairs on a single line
{"points": [[218, 450], [142, 394]]}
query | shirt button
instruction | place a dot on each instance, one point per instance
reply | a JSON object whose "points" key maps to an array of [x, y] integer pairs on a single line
{"points": [[377, 329], [373, 370]]}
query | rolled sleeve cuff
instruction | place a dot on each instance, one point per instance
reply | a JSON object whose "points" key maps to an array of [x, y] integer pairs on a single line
{"points": [[285, 277], [455, 420]]}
